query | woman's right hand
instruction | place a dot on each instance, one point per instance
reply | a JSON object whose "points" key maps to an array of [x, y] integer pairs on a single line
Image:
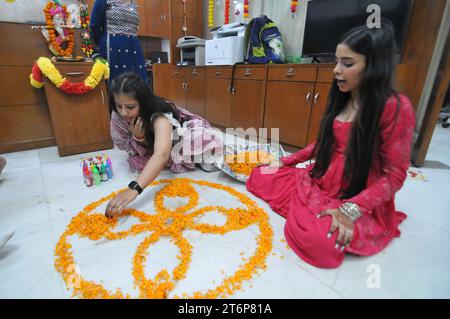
{"points": [[272, 167]]}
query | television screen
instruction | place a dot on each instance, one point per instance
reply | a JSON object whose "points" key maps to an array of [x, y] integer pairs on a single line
{"points": [[328, 20]]}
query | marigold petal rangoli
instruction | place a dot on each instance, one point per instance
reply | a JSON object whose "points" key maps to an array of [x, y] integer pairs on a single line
{"points": [[171, 224]]}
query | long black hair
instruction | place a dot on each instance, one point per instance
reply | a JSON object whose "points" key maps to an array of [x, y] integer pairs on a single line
{"points": [[133, 85], [375, 87]]}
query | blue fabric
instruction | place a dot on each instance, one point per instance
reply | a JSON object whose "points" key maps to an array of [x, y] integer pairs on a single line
{"points": [[125, 51]]}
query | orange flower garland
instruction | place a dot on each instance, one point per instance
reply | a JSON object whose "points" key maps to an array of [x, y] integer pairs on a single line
{"points": [[245, 162], [167, 223], [294, 4], [44, 66], [51, 30], [246, 6]]}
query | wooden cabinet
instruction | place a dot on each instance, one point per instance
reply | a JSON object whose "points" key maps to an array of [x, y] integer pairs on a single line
{"points": [[218, 98], [295, 101], [291, 98], [154, 18], [247, 100], [195, 90], [80, 122], [288, 102], [319, 103], [241, 107], [186, 87], [161, 80], [177, 80]]}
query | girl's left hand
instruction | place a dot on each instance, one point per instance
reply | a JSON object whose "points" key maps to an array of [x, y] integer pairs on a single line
{"points": [[119, 202], [343, 224]]}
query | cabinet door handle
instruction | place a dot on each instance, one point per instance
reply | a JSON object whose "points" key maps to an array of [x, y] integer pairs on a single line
{"points": [[248, 72], [75, 73], [194, 72], [103, 97], [308, 97], [218, 73], [176, 72], [233, 91], [290, 72], [316, 98]]}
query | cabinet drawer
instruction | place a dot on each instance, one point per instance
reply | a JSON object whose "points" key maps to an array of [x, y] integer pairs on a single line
{"points": [[325, 74], [250, 73], [219, 72], [198, 73], [177, 72], [292, 73]]}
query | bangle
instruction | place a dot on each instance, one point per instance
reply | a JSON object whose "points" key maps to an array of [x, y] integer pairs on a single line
{"points": [[140, 140], [351, 210]]}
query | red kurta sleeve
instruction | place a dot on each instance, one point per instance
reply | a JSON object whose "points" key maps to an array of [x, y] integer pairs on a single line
{"points": [[299, 157], [396, 129]]}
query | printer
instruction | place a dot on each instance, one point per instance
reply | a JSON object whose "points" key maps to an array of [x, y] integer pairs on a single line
{"points": [[192, 50], [227, 45]]}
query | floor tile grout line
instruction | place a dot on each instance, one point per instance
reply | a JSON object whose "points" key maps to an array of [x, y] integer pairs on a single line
{"points": [[52, 235], [428, 224]]}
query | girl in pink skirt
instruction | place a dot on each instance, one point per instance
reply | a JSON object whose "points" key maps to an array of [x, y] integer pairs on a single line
{"points": [[156, 134], [344, 201]]}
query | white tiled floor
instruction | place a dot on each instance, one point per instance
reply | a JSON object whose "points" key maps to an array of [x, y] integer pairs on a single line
{"points": [[40, 193]]}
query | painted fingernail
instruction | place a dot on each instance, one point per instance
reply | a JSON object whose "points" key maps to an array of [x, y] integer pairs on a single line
{"points": [[329, 235], [318, 216], [343, 247], [337, 246]]}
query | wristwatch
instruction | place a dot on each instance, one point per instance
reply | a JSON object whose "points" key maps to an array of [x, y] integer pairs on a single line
{"points": [[135, 186]]}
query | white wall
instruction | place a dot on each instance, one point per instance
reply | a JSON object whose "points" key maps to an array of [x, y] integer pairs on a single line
{"points": [[279, 11], [24, 11]]}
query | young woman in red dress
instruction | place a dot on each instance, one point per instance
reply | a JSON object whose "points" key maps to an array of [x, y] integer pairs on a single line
{"points": [[344, 201]]}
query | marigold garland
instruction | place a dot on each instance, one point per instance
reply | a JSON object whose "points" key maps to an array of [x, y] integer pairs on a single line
{"points": [[51, 30], [165, 223], [246, 6], [294, 4], [245, 162], [227, 12], [100, 70], [211, 14]]}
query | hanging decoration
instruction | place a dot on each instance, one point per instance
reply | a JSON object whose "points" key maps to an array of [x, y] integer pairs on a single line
{"points": [[246, 6], [227, 12], [86, 41], [211, 14], [184, 28], [44, 66], [294, 4], [54, 12]]}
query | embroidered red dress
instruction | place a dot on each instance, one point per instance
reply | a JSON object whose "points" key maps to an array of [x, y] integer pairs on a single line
{"points": [[295, 195]]}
